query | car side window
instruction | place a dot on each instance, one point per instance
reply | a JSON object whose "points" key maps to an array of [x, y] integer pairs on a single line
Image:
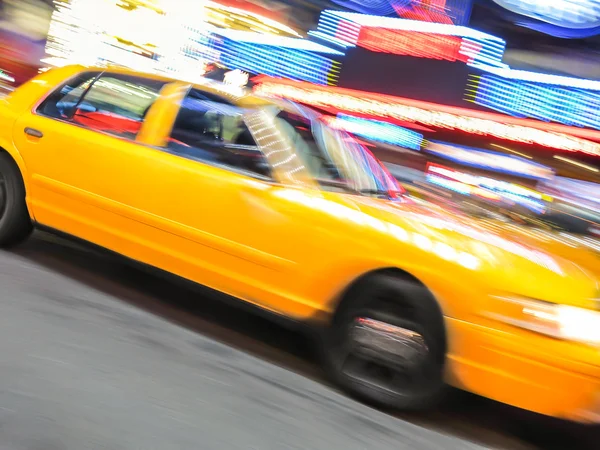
{"points": [[112, 103], [213, 131], [60, 103]]}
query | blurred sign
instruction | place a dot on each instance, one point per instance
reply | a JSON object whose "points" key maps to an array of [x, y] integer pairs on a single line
{"points": [[485, 188], [576, 190], [564, 13], [377, 130], [487, 160], [561, 18], [455, 12]]}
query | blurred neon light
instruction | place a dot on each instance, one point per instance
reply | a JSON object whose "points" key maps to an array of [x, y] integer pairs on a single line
{"points": [[276, 41], [426, 10], [227, 16], [506, 149], [377, 7], [474, 122], [575, 189], [484, 187], [295, 62], [493, 161], [443, 11], [577, 163], [570, 106], [542, 78], [423, 45], [409, 25], [348, 27], [376, 130], [456, 12], [6, 77], [96, 32], [566, 13]]}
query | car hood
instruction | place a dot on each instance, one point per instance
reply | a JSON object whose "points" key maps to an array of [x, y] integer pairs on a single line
{"points": [[503, 257]]}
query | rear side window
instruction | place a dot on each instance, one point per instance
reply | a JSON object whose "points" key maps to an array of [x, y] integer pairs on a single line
{"points": [[110, 103], [213, 131]]}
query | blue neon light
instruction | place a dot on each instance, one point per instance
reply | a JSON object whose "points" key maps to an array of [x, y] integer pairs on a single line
{"points": [[455, 186], [507, 191], [294, 63], [540, 78], [379, 131], [276, 41], [569, 106], [489, 160], [376, 7], [560, 32]]}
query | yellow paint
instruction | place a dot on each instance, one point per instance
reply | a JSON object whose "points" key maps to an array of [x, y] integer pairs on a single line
{"points": [[291, 248]]}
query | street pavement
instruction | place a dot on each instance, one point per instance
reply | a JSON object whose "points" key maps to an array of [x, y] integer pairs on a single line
{"points": [[95, 354]]}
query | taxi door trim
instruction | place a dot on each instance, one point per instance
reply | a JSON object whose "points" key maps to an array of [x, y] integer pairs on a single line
{"points": [[161, 116], [168, 226]]}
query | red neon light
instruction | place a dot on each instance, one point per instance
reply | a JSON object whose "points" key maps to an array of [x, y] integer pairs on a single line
{"points": [[427, 16], [345, 29], [426, 11], [530, 131], [410, 43]]}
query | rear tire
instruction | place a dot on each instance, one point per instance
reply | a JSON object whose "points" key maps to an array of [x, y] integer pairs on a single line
{"points": [[409, 377], [15, 222]]}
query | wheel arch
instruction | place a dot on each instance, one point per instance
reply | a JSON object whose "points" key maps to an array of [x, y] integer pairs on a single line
{"points": [[19, 163], [17, 159]]}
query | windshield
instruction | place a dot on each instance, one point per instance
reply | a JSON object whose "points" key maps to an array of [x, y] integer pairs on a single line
{"points": [[334, 159]]}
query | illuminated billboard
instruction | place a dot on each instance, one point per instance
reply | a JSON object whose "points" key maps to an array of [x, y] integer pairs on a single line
{"points": [[488, 160], [580, 14], [560, 18], [486, 188]]}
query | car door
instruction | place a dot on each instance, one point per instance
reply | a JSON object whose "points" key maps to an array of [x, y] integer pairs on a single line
{"points": [[206, 210], [80, 145], [217, 200]]}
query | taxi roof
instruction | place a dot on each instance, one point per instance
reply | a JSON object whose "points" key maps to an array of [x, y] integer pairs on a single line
{"points": [[244, 98]]}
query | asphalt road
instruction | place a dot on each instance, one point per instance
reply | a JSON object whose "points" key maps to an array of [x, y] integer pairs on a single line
{"points": [[95, 354]]}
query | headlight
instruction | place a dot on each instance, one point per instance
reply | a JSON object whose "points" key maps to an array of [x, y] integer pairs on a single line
{"points": [[559, 321]]}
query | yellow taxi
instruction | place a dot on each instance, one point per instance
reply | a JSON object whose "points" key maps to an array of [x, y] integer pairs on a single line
{"points": [[262, 201]]}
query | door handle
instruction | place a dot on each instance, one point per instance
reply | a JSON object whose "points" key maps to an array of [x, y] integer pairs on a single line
{"points": [[33, 132]]}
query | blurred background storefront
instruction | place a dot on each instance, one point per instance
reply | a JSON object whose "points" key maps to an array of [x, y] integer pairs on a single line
{"points": [[23, 29], [489, 105]]}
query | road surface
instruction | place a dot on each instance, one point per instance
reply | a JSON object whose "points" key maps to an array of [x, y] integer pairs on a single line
{"points": [[95, 354]]}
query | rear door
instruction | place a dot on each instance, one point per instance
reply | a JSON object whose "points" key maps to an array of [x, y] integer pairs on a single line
{"points": [[215, 198]]}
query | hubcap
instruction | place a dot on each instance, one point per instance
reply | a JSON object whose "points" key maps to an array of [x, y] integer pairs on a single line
{"points": [[385, 356], [387, 344]]}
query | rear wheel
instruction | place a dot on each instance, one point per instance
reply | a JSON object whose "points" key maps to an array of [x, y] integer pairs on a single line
{"points": [[15, 222], [387, 344]]}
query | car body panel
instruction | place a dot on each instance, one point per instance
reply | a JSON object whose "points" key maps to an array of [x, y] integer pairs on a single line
{"points": [[292, 248]]}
